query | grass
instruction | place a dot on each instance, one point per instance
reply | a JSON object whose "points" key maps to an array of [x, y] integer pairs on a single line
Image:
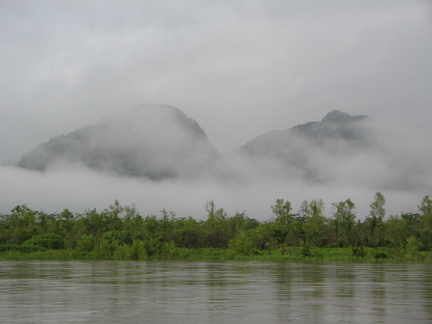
{"points": [[213, 254]]}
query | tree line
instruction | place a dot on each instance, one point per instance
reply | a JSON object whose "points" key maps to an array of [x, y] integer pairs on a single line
{"points": [[121, 232]]}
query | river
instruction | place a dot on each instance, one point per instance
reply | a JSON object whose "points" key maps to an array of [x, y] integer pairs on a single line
{"points": [[214, 292]]}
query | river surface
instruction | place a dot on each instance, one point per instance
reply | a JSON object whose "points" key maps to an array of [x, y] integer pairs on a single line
{"points": [[214, 292]]}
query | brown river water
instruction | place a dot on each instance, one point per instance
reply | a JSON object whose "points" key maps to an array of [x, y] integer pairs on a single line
{"points": [[214, 292]]}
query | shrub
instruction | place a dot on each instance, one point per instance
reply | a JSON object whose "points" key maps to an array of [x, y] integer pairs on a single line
{"points": [[103, 250], [380, 255], [305, 251], [117, 237], [242, 244], [48, 241], [9, 247], [85, 244], [358, 252]]}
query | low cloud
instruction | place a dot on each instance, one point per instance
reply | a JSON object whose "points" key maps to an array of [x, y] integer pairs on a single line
{"points": [[82, 189], [397, 164], [240, 69]]}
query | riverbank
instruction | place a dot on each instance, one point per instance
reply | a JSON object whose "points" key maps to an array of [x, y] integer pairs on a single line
{"points": [[361, 254]]}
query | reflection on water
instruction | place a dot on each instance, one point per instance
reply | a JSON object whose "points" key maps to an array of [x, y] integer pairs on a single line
{"points": [[221, 292]]}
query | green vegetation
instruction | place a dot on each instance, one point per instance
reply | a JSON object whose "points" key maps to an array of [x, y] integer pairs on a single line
{"points": [[121, 233]]}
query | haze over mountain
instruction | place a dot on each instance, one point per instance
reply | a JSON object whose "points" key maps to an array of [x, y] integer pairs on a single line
{"points": [[301, 151], [157, 157], [240, 68], [151, 141], [161, 142]]}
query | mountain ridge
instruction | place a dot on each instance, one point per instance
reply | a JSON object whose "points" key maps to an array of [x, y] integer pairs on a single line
{"points": [[139, 142], [160, 141], [333, 124]]}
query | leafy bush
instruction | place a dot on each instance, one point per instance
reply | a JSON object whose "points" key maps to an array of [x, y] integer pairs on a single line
{"points": [[21, 248], [358, 252], [103, 250], [117, 237], [242, 244], [9, 247], [85, 243], [48, 241]]}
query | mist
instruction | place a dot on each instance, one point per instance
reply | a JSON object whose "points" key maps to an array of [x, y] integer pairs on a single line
{"points": [[240, 69], [394, 160]]}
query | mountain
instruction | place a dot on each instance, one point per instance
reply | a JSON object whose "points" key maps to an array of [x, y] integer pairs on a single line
{"points": [[150, 141], [308, 150], [161, 142]]}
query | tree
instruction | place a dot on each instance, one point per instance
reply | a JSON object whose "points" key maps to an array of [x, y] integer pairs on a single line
{"points": [[375, 220], [287, 229], [21, 224], [412, 248], [240, 222], [396, 231], [112, 216], [304, 211], [315, 223], [282, 210], [190, 234], [167, 225], [262, 237], [344, 216], [377, 207], [134, 223], [92, 223], [425, 209], [242, 243], [216, 226]]}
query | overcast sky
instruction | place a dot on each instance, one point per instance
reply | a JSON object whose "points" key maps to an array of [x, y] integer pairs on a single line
{"points": [[239, 68]]}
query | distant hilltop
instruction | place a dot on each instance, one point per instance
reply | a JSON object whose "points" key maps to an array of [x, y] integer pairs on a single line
{"points": [[150, 141], [307, 151], [160, 142], [336, 116]]}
